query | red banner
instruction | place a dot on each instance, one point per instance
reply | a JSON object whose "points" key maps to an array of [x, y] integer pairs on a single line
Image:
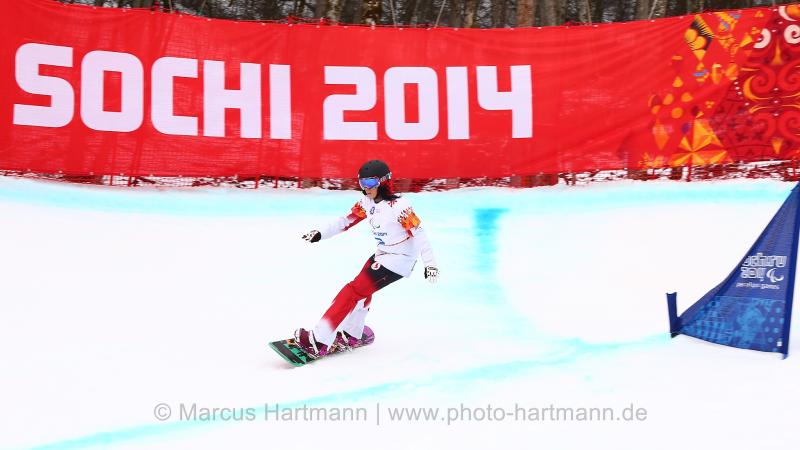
{"points": [[117, 91]]}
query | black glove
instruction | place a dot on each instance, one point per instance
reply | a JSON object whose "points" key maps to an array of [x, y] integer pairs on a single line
{"points": [[312, 236], [432, 274]]}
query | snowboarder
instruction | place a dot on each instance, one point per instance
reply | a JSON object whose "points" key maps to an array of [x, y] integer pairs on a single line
{"points": [[400, 239]]}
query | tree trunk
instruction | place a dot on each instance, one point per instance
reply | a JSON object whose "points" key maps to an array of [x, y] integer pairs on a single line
{"points": [[319, 8], [455, 13], [499, 13], [597, 10], [470, 11], [299, 7], [371, 11], [408, 13], [694, 6], [550, 12], [269, 9], [333, 10], [620, 13], [585, 11], [358, 11], [526, 12], [427, 13], [660, 9], [643, 9]]}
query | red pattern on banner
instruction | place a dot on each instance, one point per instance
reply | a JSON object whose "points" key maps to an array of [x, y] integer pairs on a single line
{"points": [[684, 129], [761, 112]]}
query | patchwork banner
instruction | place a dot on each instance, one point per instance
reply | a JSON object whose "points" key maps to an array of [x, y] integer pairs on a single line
{"points": [[752, 307], [116, 91]]}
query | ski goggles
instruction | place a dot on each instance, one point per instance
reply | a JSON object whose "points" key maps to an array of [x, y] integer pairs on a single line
{"points": [[373, 182]]}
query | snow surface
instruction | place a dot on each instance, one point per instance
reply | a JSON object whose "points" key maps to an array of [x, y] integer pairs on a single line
{"points": [[116, 300]]}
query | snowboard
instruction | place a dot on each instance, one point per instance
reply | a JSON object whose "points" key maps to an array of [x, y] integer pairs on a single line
{"points": [[291, 351]]}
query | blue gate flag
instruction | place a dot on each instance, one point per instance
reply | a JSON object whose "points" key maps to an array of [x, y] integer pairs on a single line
{"points": [[752, 307]]}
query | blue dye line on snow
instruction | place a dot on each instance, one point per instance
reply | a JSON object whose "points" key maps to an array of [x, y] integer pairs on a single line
{"points": [[486, 228], [226, 201], [222, 201], [570, 351]]}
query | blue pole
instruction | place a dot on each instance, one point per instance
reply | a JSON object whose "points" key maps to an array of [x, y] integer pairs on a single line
{"points": [[672, 310], [787, 308]]}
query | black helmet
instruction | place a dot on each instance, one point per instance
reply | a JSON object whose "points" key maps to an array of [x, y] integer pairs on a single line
{"points": [[374, 168], [374, 174]]}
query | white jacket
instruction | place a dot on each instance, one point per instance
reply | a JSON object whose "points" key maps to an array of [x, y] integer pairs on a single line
{"points": [[396, 229]]}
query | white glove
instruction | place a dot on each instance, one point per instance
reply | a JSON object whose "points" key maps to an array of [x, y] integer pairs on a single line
{"points": [[432, 274]]}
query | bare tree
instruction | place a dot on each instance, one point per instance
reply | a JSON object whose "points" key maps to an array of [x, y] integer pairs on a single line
{"points": [[333, 10], [526, 11], [454, 13], [409, 12], [470, 13], [598, 7], [550, 12], [455, 7], [658, 9], [643, 9], [428, 12], [371, 12], [584, 11], [499, 11], [353, 11], [694, 6]]}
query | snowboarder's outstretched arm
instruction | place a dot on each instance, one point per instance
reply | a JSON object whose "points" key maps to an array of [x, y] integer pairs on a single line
{"points": [[357, 214], [411, 223], [426, 253]]}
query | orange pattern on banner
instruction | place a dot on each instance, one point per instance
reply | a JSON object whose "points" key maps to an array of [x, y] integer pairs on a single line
{"points": [[699, 147], [682, 129]]}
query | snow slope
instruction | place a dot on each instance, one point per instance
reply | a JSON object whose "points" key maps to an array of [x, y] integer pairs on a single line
{"points": [[115, 301]]}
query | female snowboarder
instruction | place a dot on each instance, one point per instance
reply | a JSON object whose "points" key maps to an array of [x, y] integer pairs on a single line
{"points": [[400, 239]]}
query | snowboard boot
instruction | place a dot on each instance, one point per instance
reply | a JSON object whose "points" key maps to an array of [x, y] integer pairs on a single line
{"points": [[367, 336], [305, 339], [349, 342]]}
